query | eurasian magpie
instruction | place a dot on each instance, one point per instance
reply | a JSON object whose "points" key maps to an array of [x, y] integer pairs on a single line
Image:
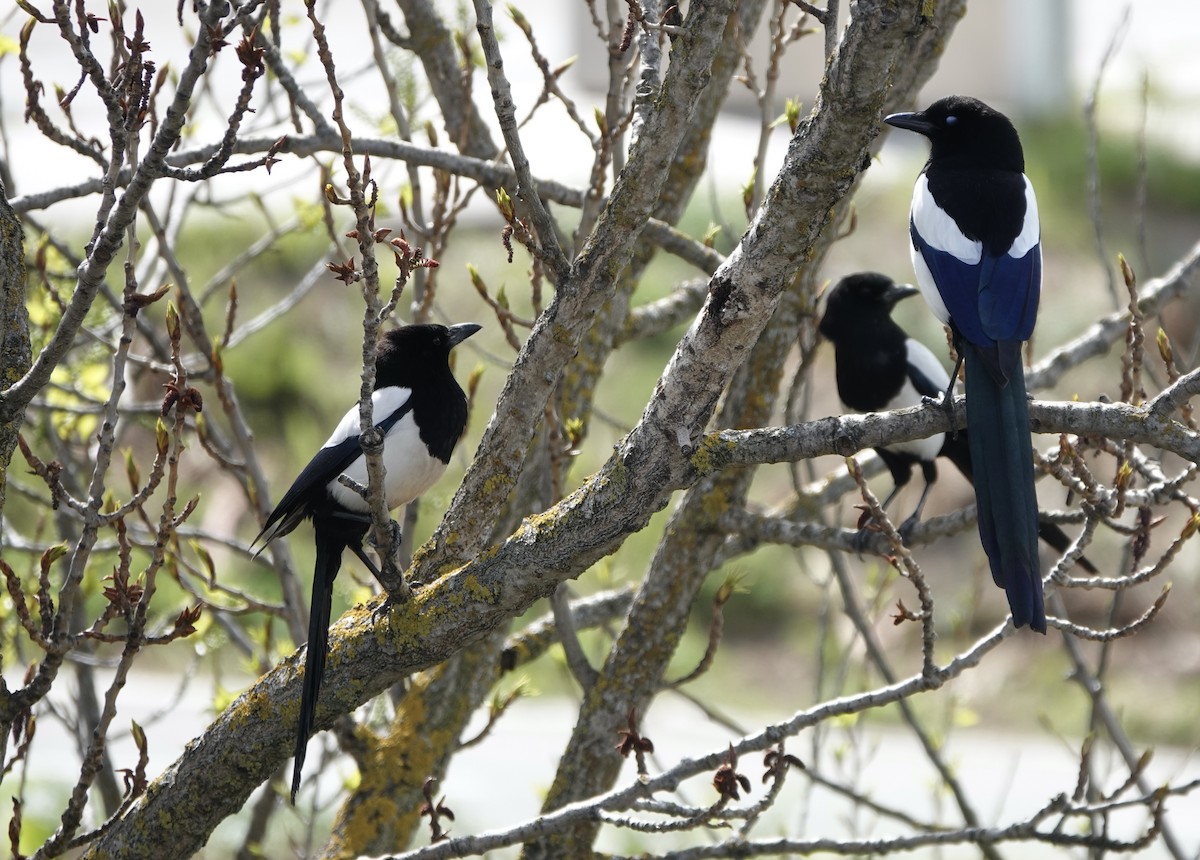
{"points": [[976, 249], [879, 367], [422, 412]]}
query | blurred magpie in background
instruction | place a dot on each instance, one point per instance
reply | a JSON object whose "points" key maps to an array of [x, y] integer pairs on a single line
{"points": [[978, 259], [879, 367], [422, 412]]}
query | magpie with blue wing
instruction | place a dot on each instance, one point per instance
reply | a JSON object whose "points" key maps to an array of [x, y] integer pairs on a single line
{"points": [[976, 249], [419, 407], [879, 367]]}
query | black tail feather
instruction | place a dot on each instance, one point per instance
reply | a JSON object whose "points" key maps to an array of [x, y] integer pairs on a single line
{"points": [[1002, 471], [329, 561], [957, 450]]}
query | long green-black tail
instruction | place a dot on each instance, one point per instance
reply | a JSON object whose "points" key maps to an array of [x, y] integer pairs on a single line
{"points": [[1002, 467], [329, 561]]}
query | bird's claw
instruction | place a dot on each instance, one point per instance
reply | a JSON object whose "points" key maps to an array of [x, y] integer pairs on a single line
{"points": [[391, 576], [946, 403], [394, 532], [384, 608], [862, 539], [865, 536], [394, 586]]}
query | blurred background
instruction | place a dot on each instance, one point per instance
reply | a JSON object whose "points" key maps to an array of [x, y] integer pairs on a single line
{"points": [[1106, 97]]}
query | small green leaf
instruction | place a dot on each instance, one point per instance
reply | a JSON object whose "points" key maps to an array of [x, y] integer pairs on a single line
{"points": [[172, 321], [52, 555], [139, 735], [506, 204], [162, 440], [205, 559]]}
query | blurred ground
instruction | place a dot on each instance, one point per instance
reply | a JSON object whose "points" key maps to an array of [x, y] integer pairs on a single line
{"points": [[501, 781]]}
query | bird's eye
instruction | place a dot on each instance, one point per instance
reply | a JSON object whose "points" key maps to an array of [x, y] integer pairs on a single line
{"points": [[951, 120]]}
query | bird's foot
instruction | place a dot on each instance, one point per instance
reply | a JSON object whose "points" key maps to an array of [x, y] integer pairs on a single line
{"points": [[868, 528], [906, 529], [391, 576], [385, 607], [862, 540], [945, 402], [395, 534]]}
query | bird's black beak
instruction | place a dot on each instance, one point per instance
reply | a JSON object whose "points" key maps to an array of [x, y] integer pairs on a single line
{"points": [[896, 292], [462, 331], [915, 121]]}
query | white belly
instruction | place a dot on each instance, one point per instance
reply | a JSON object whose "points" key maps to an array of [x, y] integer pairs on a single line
{"points": [[411, 470]]}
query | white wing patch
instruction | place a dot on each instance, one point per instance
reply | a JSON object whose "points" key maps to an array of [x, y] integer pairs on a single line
{"points": [[939, 230], [1031, 230], [929, 290], [384, 402], [410, 469]]}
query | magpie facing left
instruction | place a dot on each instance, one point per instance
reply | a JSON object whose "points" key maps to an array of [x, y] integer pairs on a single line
{"points": [[976, 249], [879, 367], [419, 407]]}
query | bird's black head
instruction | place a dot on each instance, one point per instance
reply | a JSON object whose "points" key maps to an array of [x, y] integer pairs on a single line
{"points": [[964, 130], [411, 354], [860, 301]]}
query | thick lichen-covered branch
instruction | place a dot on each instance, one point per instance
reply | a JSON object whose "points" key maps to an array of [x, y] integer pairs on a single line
{"points": [[589, 811], [15, 356], [608, 330], [558, 331], [15, 353]]}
